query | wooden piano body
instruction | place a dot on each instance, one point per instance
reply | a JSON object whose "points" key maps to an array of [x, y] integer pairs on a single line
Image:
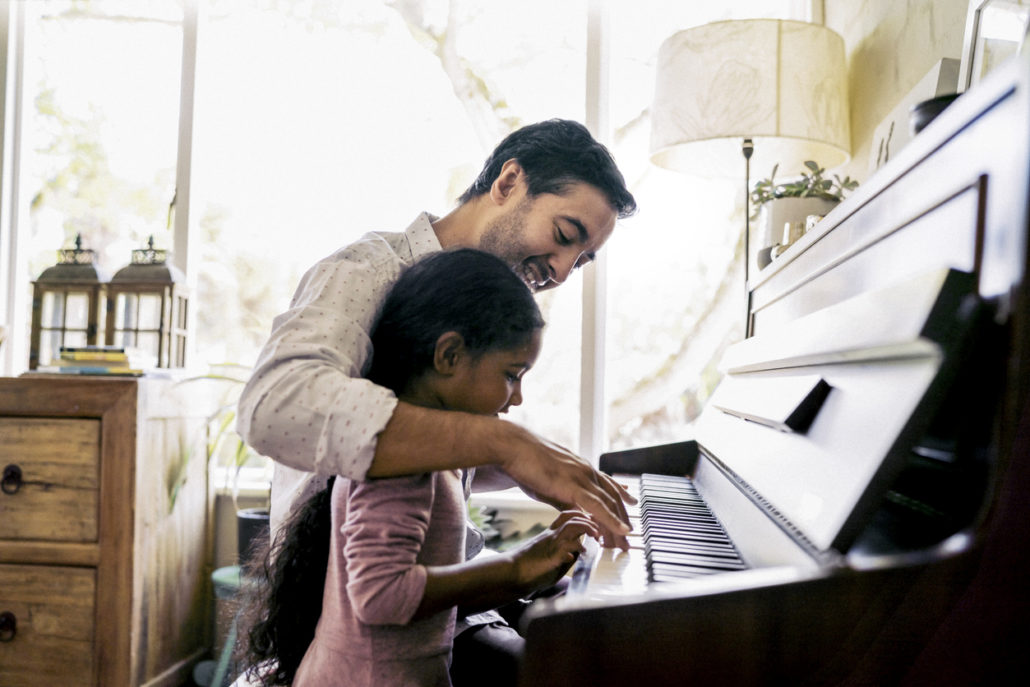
{"points": [[888, 532]]}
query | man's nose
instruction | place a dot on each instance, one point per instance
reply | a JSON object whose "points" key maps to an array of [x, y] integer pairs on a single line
{"points": [[563, 264]]}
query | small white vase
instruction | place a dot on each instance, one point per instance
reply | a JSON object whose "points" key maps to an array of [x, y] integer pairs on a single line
{"points": [[773, 215]]}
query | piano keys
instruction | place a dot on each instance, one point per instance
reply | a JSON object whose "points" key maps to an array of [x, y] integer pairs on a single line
{"points": [[679, 538]]}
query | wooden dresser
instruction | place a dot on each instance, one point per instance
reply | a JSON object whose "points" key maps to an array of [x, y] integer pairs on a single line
{"points": [[105, 532]]}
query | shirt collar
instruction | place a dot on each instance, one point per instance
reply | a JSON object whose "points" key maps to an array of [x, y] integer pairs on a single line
{"points": [[421, 237]]}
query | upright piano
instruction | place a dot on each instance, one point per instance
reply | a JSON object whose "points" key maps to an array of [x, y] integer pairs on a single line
{"points": [[851, 507]]}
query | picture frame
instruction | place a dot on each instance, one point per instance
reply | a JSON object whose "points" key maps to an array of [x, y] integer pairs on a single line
{"points": [[893, 133], [995, 30]]}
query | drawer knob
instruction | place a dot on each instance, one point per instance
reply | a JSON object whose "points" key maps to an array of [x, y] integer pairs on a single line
{"points": [[11, 481], [8, 626]]}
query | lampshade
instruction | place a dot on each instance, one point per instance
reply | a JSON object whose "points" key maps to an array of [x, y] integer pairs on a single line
{"points": [[780, 83]]}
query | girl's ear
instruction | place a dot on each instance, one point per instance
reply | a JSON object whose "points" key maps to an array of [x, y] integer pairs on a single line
{"points": [[450, 348]]}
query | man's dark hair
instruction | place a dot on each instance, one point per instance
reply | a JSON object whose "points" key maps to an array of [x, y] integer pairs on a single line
{"points": [[555, 154]]}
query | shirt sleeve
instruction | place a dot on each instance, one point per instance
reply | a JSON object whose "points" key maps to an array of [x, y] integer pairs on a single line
{"points": [[385, 528], [306, 405]]}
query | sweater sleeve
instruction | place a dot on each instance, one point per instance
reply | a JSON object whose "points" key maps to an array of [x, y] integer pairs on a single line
{"points": [[385, 528]]}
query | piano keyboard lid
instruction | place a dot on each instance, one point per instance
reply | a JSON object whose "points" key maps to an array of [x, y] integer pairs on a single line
{"points": [[816, 419]]}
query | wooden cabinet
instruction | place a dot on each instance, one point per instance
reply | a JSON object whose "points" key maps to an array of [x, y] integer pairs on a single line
{"points": [[105, 532]]}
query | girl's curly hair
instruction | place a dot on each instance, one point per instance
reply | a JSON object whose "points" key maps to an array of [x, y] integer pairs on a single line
{"points": [[285, 581]]}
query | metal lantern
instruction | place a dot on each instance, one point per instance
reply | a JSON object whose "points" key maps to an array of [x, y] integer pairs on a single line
{"points": [[147, 307], [66, 302]]}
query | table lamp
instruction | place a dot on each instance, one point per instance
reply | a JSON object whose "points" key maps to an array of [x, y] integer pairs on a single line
{"points": [[773, 91]]}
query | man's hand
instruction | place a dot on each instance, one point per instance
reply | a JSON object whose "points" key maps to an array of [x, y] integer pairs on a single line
{"points": [[419, 439], [558, 477]]}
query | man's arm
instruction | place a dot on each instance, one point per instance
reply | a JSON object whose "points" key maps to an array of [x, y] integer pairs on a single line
{"points": [[417, 439], [306, 404], [491, 478], [307, 407]]}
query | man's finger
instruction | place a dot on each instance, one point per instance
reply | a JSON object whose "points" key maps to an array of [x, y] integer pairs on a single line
{"points": [[602, 513], [618, 494]]}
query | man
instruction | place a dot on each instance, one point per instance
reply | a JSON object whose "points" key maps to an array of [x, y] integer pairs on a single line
{"points": [[546, 201]]}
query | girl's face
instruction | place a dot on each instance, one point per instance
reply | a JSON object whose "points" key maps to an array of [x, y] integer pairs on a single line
{"points": [[490, 383]]}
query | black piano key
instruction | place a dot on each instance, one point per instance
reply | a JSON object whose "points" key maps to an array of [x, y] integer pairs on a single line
{"points": [[711, 548], [665, 498], [656, 508], [681, 522], [671, 492], [670, 544], [674, 543], [649, 478], [678, 540], [717, 557], [697, 561], [686, 529], [668, 573], [673, 509]]}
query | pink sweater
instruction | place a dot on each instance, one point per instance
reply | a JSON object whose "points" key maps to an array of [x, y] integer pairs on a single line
{"points": [[384, 533]]}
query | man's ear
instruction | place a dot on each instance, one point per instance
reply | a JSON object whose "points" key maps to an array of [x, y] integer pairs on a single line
{"points": [[506, 182], [450, 348]]}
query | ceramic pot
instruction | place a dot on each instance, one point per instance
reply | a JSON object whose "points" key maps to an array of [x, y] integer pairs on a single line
{"points": [[251, 524], [772, 217]]}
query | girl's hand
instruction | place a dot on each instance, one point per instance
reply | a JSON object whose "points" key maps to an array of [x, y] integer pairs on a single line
{"points": [[543, 560]]}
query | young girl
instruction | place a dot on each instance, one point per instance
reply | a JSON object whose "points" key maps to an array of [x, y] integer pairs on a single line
{"points": [[380, 566]]}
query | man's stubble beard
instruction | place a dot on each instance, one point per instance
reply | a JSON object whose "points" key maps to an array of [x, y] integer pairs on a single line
{"points": [[505, 236]]}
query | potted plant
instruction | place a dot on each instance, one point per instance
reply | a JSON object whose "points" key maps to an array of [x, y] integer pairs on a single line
{"points": [[777, 204], [230, 457]]}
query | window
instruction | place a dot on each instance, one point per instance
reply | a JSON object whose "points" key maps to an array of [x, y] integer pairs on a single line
{"points": [[98, 137], [316, 122], [302, 147], [675, 271]]}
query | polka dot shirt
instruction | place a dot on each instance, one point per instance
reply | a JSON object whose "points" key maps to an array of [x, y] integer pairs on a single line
{"points": [[307, 405]]}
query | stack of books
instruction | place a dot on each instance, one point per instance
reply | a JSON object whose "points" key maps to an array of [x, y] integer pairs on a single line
{"points": [[100, 360]]}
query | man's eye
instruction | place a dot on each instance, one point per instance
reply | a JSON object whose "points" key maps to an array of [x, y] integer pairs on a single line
{"points": [[560, 237]]}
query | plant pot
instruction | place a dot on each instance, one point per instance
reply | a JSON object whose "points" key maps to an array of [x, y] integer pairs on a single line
{"points": [[251, 526], [772, 217]]}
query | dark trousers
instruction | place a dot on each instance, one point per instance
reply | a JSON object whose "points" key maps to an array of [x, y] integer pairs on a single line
{"points": [[491, 654], [487, 655]]}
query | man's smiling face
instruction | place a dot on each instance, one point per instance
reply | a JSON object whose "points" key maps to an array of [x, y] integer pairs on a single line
{"points": [[545, 237]]}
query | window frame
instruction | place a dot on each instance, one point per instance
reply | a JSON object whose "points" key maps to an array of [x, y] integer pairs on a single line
{"points": [[15, 283]]}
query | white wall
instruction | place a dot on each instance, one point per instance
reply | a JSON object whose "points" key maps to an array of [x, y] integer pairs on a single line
{"points": [[890, 47]]}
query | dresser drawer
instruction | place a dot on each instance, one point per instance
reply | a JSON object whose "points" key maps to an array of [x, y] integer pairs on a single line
{"points": [[52, 468], [46, 625]]}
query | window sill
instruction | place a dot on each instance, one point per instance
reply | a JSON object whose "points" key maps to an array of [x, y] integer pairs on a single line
{"points": [[252, 483], [514, 508]]}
